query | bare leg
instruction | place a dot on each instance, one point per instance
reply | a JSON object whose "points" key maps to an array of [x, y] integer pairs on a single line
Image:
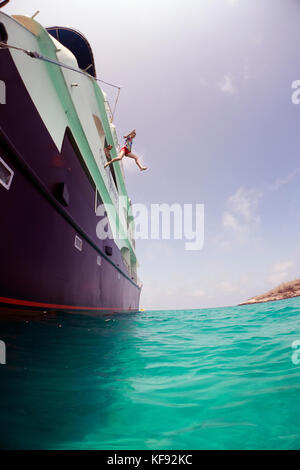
{"points": [[137, 161], [119, 157]]}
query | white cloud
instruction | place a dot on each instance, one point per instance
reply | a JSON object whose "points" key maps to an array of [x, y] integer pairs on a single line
{"points": [[228, 287], [240, 216], [244, 202], [226, 85], [279, 182], [280, 272], [198, 293], [277, 278], [279, 267], [230, 221]]}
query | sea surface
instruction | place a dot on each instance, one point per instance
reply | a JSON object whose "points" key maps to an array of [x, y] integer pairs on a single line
{"points": [[221, 378]]}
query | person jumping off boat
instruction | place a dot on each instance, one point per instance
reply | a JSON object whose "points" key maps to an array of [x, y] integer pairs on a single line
{"points": [[126, 151]]}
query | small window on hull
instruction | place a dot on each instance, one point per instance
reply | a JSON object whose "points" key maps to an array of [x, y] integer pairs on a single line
{"points": [[78, 243], [6, 174], [3, 32], [62, 194]]}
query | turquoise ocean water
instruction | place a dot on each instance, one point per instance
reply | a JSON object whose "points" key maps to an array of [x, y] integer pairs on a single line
{"points": [[218, 378]]}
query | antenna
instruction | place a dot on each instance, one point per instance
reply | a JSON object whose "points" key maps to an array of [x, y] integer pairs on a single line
{"points": [[35, 14]]}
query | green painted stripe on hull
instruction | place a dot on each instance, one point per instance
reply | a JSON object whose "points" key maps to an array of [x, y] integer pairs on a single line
{"points": [[107, 130], [47, 48]]}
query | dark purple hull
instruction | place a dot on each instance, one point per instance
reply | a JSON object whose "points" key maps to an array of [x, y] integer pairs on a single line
{"points": [[40, 266]]}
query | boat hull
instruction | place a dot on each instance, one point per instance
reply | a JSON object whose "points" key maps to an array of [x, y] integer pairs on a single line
{"points": [[51, 258]]}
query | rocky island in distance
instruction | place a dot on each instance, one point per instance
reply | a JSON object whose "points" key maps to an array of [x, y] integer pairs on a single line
{"points": [[285, 290]]}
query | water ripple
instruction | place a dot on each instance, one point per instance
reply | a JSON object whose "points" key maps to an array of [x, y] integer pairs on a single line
{"points": [[195, 379]]}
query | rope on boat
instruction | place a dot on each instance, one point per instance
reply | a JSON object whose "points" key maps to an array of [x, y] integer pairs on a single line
{"points": [[36, 55], [115, 106], [3, 3]]}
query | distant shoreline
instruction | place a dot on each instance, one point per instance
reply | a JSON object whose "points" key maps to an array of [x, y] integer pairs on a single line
{"points": [[286, 290]]}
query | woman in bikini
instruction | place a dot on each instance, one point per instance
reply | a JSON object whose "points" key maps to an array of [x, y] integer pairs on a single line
{"points": [[126, 151]]}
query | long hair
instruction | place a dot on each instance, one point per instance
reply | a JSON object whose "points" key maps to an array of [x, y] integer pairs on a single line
{"points": [[126, 136]]}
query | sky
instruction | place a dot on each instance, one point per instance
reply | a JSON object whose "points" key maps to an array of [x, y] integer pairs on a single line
{"points": [[207, 84]]}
